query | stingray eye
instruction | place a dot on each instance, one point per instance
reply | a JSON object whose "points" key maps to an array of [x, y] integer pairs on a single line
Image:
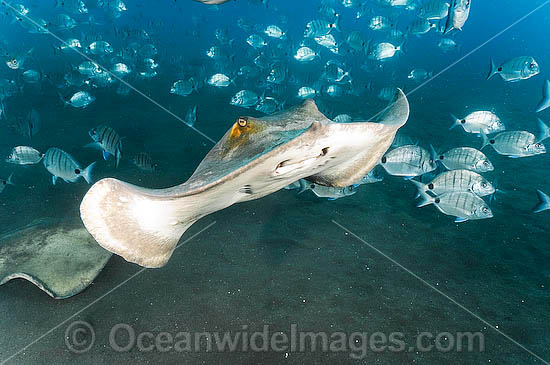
{"points": [[242, 121]]}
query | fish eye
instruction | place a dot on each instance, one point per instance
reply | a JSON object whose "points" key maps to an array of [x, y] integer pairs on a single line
{"points": [[9, 156], [538, 145], [485, 210], [242, 121], [483, 185], [486, 163], [14, 62], [77, 171]]}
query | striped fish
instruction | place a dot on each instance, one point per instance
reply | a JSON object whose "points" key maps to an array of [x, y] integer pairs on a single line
{"points": [[320, 27], [24, 155], [144, 162], [465, 158], [462, 205], [516, 69], [62, 165], [456, 181], [408, 160], [515, 144], [108, 140]]}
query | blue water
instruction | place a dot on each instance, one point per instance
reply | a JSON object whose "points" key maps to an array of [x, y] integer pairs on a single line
{"points": [[370, 263]]}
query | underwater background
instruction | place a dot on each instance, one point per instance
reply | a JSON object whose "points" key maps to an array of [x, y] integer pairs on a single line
{"points": [[372, 262]]}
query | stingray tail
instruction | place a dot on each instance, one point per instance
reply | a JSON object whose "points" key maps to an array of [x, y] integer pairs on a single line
{"points": [[141, 225]]}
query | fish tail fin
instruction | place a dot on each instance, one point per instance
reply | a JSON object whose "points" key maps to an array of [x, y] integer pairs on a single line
{"points": [[141, 225], [87, 173], [425, 199], [543, 204], [544, 130], [9, 180], [485, 140], [434, 153], [545, 101], [304, 186], [456, 121], [421, 189], [337, 24], [492, 69]]}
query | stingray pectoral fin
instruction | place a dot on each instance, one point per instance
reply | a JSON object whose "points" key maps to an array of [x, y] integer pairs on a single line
{"points": [[141, 225], [397, 111]]}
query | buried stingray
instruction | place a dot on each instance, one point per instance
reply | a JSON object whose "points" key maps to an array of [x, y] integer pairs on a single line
{"points": [[256, 157], [59, 257]]}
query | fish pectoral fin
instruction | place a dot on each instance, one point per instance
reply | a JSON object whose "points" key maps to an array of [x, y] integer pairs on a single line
{"points": [[514, 156], [54, 179], [460, 219], [141, 225], [94, 145], [106, 155]]}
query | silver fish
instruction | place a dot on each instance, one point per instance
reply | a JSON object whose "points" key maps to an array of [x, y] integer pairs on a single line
{"points": [[516, 69], [99, 48], [219, 80], [480, 122], [320, 27], [62, 165], [462, 205], [419, 74], [108, 140], [24, 155], [256, 41], [80, 99], [447, 44], [144, 162], [305, 54], [267, 105], [465, 158], [515, 144], [184, 87], [330, 192], [458, 14], [434, 10], [420, 26], [306, 92], [380, 23], [456, 181], [383, 51], [370, 178], [245, 98], [408, 161]]}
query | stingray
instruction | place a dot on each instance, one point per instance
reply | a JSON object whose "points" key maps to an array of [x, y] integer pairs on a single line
{"points": [[255, 157], [59, 257]]}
